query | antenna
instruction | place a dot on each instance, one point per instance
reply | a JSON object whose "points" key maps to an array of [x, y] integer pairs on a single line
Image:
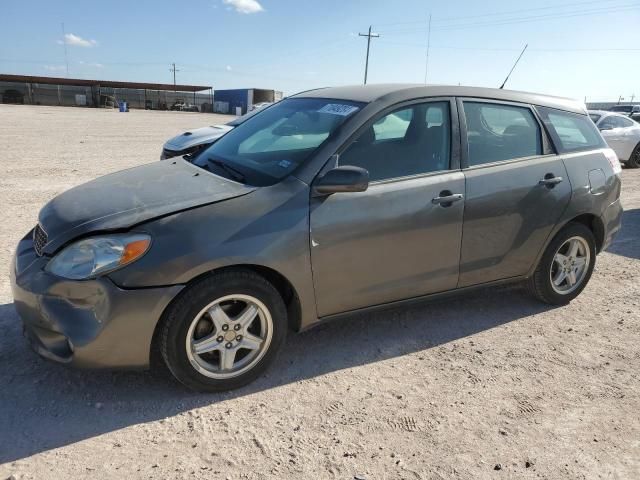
{"points": [[514, 66], [64, 43]]}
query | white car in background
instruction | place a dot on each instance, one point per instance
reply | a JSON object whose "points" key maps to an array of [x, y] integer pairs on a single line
{"points": [[258, 106], [621, 133], [197, 139]]}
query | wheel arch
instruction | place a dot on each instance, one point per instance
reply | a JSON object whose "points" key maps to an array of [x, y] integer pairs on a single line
{"points": [[284, 287], [593, 223], [589, 220]]}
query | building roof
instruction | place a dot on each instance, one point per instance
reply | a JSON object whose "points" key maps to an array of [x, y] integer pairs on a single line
{"points": [[103, 83], [392, 93]]}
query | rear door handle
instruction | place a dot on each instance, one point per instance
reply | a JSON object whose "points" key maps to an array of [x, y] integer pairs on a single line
{"points": [[550, 180], [447, 198]]}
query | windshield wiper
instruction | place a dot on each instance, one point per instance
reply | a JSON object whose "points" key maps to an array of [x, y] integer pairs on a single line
{"points": [[233, 172]]}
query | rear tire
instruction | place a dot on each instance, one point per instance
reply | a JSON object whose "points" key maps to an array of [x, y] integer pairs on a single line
{"points": [[564, 272], [634, 159], [223, 331]]}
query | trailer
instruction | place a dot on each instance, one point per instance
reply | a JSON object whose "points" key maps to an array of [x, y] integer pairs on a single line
{"points": [[239, 101]]}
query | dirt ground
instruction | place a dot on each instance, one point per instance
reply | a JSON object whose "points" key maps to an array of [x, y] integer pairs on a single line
{"points": [[490, 385]]}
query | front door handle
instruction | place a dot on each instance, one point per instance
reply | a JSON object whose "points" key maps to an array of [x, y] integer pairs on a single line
{"points": [[446, 198], [550, 180]]}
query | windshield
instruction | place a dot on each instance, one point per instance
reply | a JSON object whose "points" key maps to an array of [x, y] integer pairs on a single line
{"points": [[237, 121], [269, 146], [595, 117]]}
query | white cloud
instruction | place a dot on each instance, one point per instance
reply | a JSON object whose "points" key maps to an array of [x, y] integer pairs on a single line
{"points": [[76, 41], [92, 64], [245, 6], [54, 68]]}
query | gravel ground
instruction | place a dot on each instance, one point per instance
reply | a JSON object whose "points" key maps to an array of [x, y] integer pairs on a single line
{"points": [[490, 385]]}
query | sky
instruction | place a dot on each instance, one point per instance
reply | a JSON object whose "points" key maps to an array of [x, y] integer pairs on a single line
{"points": [[576, 48]]}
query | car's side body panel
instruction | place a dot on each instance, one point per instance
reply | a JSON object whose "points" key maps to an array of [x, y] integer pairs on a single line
{"points": [[508, 216], [269, 228], [585, 199], [388, 243]]}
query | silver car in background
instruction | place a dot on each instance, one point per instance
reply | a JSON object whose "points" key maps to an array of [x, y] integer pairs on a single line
{"points": [[621, 133]]}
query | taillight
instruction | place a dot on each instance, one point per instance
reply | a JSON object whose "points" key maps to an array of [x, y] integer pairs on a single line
{"points": [[613, 160]]}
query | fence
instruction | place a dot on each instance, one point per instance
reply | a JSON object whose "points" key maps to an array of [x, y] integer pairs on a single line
{"points": [[98, 96]]}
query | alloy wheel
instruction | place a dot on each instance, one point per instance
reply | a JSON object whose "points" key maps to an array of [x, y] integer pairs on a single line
{"points": [[229, 336], [570, 265]]}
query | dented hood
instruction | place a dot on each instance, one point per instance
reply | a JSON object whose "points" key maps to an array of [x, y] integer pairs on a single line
{"points": [[126, 198]]}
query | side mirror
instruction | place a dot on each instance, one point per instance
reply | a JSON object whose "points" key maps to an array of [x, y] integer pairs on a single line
{"points": [[342, 179]]}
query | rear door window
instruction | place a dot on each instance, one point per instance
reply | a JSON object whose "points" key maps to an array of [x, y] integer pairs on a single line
{"points": [[571, 131], [625, 122], [497, 132]]}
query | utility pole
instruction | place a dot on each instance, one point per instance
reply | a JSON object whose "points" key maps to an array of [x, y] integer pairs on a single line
{"points": [[633, 96], [426, 65], [369, 37], [64, 43], [620, 98], [174, 70]]}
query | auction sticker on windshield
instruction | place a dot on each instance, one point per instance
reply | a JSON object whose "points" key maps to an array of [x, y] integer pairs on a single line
{"points": [[338, 109]]}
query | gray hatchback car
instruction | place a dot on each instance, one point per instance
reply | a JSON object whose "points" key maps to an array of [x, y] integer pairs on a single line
{"points": [[331, 202]]}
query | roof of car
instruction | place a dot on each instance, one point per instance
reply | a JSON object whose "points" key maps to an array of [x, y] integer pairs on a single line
{"points": [[606, 112], [400, 92]]}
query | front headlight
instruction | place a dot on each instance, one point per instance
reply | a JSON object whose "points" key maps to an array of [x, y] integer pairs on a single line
{"points": [[95, 255]]}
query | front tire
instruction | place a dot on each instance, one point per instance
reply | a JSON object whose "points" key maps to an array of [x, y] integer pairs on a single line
{"points": [[565, 267], [223, 331], [634, 159]]}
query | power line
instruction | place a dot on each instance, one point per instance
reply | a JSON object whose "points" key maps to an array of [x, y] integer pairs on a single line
{"points": [[491, 49], [527, 19], [536, 18], [369, 37], [535, 9], [506, 12]]}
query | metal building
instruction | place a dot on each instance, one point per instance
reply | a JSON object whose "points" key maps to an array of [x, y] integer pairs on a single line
{"points": [[32, 90], [228, 101]]}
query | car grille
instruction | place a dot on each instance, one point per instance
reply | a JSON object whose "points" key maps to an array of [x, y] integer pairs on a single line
{"points": [[40, 239]]}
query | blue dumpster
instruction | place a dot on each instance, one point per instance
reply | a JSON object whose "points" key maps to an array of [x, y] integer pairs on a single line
{"points": [[123, 107]]}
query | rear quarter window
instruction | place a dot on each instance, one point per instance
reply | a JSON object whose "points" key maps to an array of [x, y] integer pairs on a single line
{"points": [[571, 132]]}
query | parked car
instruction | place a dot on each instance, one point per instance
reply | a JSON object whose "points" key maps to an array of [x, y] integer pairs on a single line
{"points": [[621, 133], [319, 207], [181, 106], [632, 111], [259, 105], [194, 141]]}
